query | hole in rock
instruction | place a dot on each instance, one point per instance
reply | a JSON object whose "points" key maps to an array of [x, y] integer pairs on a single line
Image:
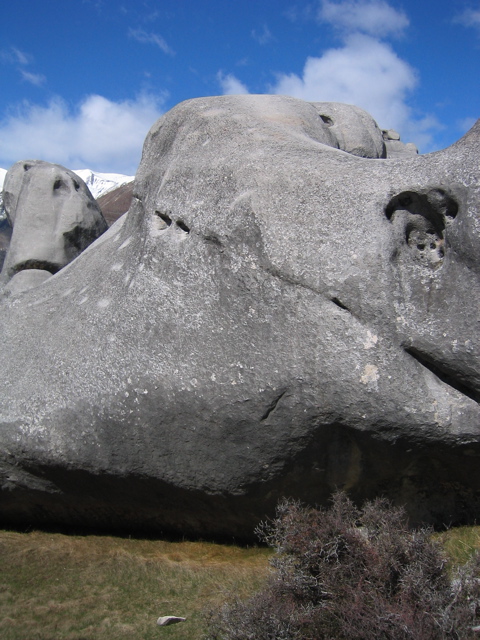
{"points": [[162, 220], [59, 184], [327, 120], [445, 203], [340, 304], [181, 225], [425, 216]]}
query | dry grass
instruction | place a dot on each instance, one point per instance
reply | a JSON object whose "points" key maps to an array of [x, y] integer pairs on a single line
{"points": [[59, 587]]}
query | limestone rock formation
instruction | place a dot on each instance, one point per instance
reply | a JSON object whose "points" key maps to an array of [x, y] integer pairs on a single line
{"points": [[394, 147], [54, 218], [5, 236], [274, 316]]}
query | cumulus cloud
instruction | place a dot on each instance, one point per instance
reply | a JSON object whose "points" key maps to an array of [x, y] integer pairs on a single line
{"points": [[374, 17], [98, 134], [151, 38], [364, 72], [470, 18], [231, 85]]}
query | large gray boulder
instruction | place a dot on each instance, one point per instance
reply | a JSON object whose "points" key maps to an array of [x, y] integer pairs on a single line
{"points": [[273, 316], [54, 218]]}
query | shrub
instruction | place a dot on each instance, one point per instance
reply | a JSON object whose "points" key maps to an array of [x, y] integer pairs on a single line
{"points": [[350, 574]]}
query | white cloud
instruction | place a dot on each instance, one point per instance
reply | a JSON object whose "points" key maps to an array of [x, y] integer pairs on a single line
{"points": [[98, 134], [231, 85], [20, 59], [20, 56], [262, 37], [364, 72], [469, 18], [36, 79], [151, 38], [374, 17]]}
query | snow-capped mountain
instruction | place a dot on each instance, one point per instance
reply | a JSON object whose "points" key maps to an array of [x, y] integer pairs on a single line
{"points": [[101, 183]]}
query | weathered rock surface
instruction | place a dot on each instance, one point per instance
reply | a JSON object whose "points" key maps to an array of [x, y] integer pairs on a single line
{"points": [[353, 129], [54, 218], [394, 147], [272, 317], [5, 236], [113, 204]]}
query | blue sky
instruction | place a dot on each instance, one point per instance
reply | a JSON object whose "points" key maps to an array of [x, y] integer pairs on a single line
{"points": [[83, 80]]}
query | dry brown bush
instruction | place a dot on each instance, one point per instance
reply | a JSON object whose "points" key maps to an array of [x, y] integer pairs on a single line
{"points": [[354, 574]]}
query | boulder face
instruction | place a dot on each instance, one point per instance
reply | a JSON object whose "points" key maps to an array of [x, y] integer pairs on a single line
{"points": [[274, 316], [54, 218]]}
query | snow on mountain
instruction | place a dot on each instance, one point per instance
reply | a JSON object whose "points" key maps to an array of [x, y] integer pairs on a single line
{"points": [[101, 183]]}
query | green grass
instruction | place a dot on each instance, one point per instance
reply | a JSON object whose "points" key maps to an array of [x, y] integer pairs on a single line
{"points": [[59, 587], [65, 587], [460, 543]]}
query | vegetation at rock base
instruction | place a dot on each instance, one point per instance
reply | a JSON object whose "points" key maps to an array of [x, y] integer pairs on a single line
{"points": [[71, 587], [350, 574]]}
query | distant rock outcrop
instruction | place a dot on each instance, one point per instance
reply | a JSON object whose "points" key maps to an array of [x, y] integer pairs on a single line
{"points": [[395, 148], [113, 192], [54, 218], [281, 312]]}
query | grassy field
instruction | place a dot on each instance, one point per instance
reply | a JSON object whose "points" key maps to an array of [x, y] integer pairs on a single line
{"points": [[65, 587], [59, 587]]}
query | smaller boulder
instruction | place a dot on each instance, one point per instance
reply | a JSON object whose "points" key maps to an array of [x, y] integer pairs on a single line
{"points": [[54, 218], [167, 620], [354, 130]]}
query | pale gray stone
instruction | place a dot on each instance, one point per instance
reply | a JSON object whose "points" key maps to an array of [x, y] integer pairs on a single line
{"points": [[353, 129], [391, 134], [165, 621], [273, 317], [397, 149], [54, 218]]}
